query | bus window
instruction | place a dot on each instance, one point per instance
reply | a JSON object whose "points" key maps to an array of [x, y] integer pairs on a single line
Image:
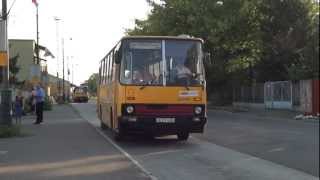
{"points": [[126, 70], [183, 60], [141, 63]]}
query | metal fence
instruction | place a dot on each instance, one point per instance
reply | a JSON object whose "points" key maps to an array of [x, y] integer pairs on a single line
{"points": [[295, 95], [278, 95], [249, 94]]}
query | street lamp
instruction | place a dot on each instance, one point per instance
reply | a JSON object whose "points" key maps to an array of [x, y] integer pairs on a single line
{"points": [[73, 71], [69, 58], [56, 19]]}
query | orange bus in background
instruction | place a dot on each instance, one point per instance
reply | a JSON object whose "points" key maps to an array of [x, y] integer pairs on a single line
{"points": [[80, 94], [153, 85]]}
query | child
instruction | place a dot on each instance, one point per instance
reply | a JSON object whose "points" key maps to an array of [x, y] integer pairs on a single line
{"points": [[18, 109]]}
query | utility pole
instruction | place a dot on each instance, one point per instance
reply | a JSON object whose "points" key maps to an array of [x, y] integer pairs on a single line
{"points": [[63, 88], [37, 22], [5, 97], [72, 73], [58, 53]]}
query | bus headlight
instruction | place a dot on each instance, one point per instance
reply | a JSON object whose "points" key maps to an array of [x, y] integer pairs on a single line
{"points": [[198, 110], [129, 109]]}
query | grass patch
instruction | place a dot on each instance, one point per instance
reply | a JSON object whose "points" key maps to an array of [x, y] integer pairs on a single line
{"points": [[10, 131]]}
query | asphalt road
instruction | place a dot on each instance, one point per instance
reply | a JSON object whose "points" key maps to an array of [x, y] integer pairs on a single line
{"points": [[234, 146], [289, 142]]}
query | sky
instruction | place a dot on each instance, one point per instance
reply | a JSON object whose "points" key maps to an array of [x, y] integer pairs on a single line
{"points": [[89, 29]]}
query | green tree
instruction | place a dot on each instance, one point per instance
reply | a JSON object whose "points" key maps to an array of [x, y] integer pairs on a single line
{"points": [[285, 28], [249, 40], [14, 70], [92, 83]]}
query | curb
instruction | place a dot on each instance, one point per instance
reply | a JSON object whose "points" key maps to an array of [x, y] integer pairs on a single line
{"points": [[127, 155]]}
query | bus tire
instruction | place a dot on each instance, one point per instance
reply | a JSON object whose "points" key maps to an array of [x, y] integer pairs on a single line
{"points": [[118, 136], [183, 136]]}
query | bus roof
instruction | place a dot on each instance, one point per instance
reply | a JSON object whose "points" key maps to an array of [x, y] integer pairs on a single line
{"points": [[181, 37]]}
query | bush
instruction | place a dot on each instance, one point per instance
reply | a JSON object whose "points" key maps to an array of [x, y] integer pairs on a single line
{"points": [[9, 131]]}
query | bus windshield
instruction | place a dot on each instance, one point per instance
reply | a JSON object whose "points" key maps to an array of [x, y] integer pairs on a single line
{"points": [[162, 62]]}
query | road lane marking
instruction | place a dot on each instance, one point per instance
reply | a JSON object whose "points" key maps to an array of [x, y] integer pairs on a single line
{"points": [[3, 152], [160, 153], [230, 161], [276, 149], [236, 160], [148, 173], [126, 154]]}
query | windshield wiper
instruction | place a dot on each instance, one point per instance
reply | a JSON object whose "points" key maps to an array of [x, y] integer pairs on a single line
{"points": [[187, 85], [144, 85]]}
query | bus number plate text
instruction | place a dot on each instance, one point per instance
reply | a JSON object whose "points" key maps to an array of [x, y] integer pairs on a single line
{"points": [[165, 120]]}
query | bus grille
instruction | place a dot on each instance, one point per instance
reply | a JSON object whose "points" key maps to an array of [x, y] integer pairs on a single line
{"points": [[163, 110]]}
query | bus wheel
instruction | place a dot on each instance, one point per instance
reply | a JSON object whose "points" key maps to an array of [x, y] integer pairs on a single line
{"points": [[183, 136], [118, 136]]}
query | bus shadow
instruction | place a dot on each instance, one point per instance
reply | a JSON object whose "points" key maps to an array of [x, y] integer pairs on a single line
{"points": [[147, 141], [154, 142], [142, 145]]}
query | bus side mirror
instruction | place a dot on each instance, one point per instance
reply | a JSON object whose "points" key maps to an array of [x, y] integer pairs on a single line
{"points": [[117, 57], [207, 59]]}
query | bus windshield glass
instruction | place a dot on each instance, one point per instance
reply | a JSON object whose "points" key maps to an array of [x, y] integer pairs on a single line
{"points": [[162, 62]]}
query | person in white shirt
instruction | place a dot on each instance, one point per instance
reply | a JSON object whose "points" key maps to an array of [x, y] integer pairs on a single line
{"points": [[183, 71], [183, 74], [39, 96]]}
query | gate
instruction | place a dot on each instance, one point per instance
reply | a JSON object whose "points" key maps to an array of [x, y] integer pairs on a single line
{"points": [[278, 95]]}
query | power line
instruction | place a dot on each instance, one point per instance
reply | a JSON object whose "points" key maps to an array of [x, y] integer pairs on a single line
{"points": [[1, 16], [11, 7]]}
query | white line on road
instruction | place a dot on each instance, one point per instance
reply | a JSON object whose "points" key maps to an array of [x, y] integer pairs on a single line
{"points": [[160, 153], [3, 152], [276, 149], [255, 167], [126, 154], [135, 162]]}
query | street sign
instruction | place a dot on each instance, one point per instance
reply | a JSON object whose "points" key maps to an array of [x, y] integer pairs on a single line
{"points": [[3, 44], [3, 58]]}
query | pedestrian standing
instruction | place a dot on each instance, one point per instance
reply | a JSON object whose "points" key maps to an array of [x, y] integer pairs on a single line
{"points": [[39, 96], [33, 100], [18, 103]]}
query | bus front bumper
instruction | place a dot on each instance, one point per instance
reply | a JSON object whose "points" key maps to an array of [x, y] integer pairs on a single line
{"points": [[162, 125], [80, 99]]}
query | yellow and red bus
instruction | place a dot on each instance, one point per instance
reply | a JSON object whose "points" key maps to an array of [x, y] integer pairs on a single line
{"points": [[80, 94], [153, 85]]}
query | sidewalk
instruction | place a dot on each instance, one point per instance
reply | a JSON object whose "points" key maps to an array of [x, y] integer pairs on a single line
{"points": [[64, 147], [269, 113]]}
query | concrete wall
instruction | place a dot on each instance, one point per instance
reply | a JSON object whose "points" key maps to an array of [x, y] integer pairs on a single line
{"points": [[53, 86], [315, 97], [305, 96], [25, 49]]}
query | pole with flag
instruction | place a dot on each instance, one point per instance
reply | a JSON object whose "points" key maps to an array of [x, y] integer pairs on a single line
{"points": [[37, 22]]}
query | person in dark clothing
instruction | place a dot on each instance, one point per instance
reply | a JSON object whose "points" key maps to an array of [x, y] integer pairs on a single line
{"points": [[39, 96], [18, 109], [33, 100]]}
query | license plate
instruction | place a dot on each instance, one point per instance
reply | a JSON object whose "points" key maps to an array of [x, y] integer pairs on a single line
{"points": [[165, 120]]}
